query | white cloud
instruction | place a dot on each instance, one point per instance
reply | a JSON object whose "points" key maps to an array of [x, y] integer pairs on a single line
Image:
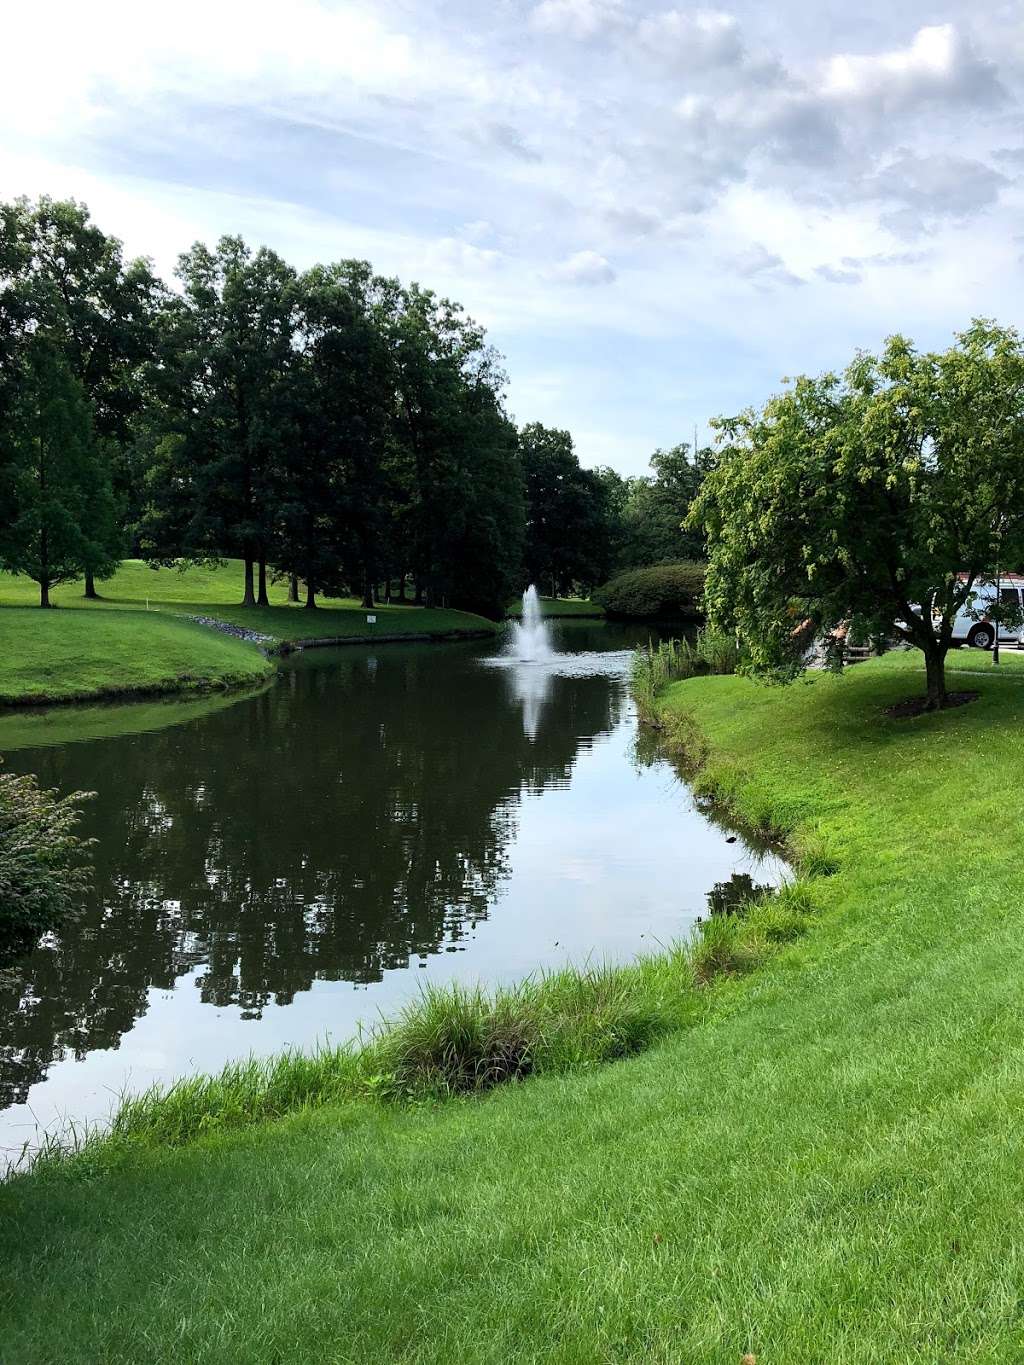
{"points": [[575, 18], [708, 38], [938, 64], [583, 267]]}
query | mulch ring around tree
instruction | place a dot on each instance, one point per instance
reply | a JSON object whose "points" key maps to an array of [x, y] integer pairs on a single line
{"points": [[918, 706]]}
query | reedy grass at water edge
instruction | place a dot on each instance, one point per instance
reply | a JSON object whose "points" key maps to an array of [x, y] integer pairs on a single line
{"points": [[456, 1041]]}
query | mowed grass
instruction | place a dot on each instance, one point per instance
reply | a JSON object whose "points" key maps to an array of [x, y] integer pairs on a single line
{"points": [[824, 1163], [560, 606], [61, 656], [217, 592]]}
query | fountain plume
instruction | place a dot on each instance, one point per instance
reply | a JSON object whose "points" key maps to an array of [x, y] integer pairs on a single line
{"points": [[530, 639]]}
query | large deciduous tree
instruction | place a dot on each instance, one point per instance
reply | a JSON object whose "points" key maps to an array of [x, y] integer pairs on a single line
{"points": [[65, 281], [879, 499], [227, 361], [569, 532]]}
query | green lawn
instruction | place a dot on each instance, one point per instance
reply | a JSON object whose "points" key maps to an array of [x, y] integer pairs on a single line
{"points": [[560, 606], [216, 592], [829, 1166], [147, 646], [64, 656]]}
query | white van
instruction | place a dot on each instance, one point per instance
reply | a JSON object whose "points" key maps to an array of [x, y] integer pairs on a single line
{"points": [[973, 627]]}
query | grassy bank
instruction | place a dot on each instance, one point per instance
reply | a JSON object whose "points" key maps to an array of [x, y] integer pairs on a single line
{"points": [[217, 591], [62, 656], [137, 640], [580, 608], [821, 1163]]}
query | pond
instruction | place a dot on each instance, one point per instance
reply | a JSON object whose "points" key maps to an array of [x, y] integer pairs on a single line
{"points": [[276, 870]]}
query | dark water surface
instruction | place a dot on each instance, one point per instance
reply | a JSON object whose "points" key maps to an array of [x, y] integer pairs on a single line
{"points": [[275, 871]]}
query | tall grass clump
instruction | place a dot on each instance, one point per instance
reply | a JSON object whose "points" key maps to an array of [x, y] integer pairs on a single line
{"points": [[657, 665]]}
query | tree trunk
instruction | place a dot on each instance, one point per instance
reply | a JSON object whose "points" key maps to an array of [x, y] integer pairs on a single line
{"points": [[401, 587], [90, 586], [293, 588], [935, 670], [249, 599], [44, 593], [310, 596], [263, 600], [367, 591], [418, 599]]}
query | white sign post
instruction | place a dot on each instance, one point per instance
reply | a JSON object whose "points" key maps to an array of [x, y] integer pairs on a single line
{"points": [[371, 620]]}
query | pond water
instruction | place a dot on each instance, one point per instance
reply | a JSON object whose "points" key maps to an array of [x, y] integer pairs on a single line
{"points": [[279, 870]]}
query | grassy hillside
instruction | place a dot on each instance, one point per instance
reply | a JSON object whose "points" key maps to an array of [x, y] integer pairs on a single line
{"points": [[58, 656], [825, 1166], [581, 607], [216, 592]]}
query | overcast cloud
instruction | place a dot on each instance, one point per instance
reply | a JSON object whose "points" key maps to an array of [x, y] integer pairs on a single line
{"points": [[656, 209]]}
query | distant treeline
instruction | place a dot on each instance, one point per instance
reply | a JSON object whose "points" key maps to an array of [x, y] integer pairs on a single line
{"points": [[334, 428]]}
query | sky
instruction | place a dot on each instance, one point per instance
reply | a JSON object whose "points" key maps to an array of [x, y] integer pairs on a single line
{"points": [[658, 211]]}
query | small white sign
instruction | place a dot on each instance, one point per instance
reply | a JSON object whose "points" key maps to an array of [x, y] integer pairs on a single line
{"points": [[371, 620]]}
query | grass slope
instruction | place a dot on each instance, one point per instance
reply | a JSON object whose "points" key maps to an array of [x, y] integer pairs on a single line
{"points": [[217, 591], [60, 656], [827, 1168], [579, 607]]}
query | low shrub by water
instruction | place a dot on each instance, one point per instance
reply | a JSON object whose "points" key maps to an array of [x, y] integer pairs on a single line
{"points": [[662, 592]]}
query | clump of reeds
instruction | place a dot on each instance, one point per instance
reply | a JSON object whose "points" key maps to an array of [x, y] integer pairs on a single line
{"points": [[657, 665]]}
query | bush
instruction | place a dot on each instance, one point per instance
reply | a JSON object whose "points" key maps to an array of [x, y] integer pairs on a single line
{"points": [[663, 592], [41, 873]]}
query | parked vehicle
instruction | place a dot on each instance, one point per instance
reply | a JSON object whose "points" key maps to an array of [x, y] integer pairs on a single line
{"points": [[973, 625]]}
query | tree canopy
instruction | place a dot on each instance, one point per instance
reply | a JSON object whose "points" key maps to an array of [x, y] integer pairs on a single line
{"points": [[875, 500]]}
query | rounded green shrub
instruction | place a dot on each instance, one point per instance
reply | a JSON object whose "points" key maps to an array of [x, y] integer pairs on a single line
{"points": [[661, 592]]}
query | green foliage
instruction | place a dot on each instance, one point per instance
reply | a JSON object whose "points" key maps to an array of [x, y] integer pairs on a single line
{"points": [[654, 507], [668, 661], [41, 868], [869, 499], [569, 532], [48, 471], [662, 592]]}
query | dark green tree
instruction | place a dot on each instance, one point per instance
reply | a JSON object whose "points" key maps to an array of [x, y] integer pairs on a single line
{"points": [[48, 472], [61, 276], [459, 516], [655, 507], [570, 533], [226, 363]]}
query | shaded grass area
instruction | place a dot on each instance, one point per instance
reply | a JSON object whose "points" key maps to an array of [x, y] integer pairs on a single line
{"points": [[827, 1168], [216, 591], [581, 607], [62, 656]]}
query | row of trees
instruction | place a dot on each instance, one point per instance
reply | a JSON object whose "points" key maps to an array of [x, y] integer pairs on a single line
{"points": [[332, 426]]}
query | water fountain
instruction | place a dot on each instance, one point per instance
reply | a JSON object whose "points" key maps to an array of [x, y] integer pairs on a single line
{"points": [[529, 639]]}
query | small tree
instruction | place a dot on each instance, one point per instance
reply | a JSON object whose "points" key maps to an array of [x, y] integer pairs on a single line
{"points": [[49, 474], [880, 499]]}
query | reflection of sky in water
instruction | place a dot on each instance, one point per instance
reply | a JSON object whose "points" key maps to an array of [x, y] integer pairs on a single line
{"points": [[593, 857]]}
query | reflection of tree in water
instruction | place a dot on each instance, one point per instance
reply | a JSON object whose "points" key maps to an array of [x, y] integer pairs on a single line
{"points": [[348, 819], [734, 895]]}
